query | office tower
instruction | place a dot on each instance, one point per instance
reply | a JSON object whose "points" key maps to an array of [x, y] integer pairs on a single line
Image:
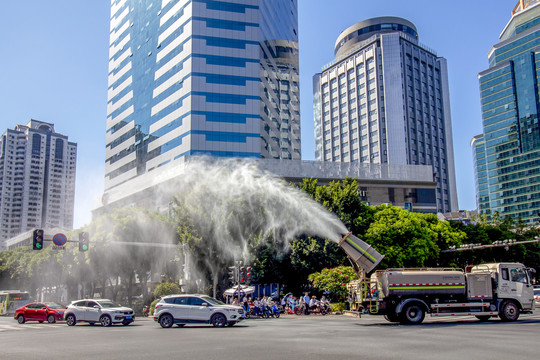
{"points": [[37, 179], [384, 99], [190, 77], [507, 153]]}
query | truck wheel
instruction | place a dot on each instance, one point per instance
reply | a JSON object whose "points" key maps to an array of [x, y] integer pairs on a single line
{"points": [[483, 317], [413, 313], [509, 311], [392, 316]]}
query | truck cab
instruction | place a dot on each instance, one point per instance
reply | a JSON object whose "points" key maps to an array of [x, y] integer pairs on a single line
{"points": [[512, 282]]}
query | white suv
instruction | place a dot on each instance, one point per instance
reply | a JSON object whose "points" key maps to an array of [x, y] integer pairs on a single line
{"points": [[196, 309], [103, 311]]}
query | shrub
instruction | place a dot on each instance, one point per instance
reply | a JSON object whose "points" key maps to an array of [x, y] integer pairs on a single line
{"points": [[153, 307], [166, 288], [338, 307]]}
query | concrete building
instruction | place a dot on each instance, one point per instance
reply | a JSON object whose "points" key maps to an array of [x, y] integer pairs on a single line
{"points": [[191, 77], [37, 179], [406, 186], [385, 100], [507, 153]]}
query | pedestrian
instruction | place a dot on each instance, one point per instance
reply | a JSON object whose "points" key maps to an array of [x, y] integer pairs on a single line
{"points": [[257, 306], [245, 304], [306, 304]]}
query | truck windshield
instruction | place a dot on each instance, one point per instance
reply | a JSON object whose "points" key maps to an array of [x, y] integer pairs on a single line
{"points": [[519, 275]]}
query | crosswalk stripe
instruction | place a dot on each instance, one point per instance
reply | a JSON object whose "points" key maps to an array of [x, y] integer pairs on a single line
{"points": [[28, 326]]}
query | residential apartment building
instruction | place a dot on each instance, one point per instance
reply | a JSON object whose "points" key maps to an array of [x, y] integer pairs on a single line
{"points": [[507, 153], [190, 77], [385, 100], [37, 179]]}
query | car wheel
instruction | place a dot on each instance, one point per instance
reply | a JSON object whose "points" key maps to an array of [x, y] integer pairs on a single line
{"points": [[218, 320], [71, 320], [509, 311], [20, 319], [166, 321], [105, 320], [50, 319], [413, 313]]}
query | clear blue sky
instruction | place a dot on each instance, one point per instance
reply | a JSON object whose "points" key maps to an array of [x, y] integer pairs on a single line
{"points": [[54, 68]]}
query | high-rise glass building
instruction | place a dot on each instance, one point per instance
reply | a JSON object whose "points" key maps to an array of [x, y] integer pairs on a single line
{"points": [[37, 179], [191, 77], [385, 100], [507, 153]]}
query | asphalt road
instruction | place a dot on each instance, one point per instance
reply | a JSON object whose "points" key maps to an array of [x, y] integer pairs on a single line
{"points": [[289, 337]]}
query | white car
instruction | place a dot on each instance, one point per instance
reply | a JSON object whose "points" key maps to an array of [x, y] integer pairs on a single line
{"points": [[103, 311], [196, 309]]}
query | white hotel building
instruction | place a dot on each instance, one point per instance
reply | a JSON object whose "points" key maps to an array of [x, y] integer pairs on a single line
{"points": [[384, 100]]}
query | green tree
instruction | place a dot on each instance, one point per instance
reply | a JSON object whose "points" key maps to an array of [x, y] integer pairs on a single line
{"points": [[343, 198], [334, 280], [166, 288], [409, 239]]}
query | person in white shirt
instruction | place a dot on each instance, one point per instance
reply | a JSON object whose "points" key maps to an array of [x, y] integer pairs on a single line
{"points": [[257, 305], [313, 303]]}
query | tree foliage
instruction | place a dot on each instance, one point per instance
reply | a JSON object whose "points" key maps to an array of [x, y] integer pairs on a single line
{"points": [[410, 239], [166, 288], [333, 280]]}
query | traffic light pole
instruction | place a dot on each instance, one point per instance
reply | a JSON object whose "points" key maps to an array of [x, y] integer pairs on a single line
{"points": [[239, 274]]}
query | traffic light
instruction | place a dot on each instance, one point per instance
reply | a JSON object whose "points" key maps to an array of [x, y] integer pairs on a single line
{"points": [[38, 239], [242, 275], [232, 273], [248, 275], [84, 240]]}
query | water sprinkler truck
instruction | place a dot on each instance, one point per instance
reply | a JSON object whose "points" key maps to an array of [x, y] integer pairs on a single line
{"points": [[501, 290]]}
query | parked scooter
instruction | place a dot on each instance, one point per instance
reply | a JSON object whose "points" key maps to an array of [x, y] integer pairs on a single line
{"points": [[274, 311]]}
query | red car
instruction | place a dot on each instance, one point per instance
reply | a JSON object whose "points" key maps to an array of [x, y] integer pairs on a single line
{"points": [[45, 311]]}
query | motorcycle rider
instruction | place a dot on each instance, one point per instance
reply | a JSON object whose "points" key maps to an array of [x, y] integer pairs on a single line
{"points": [[325, 303], [313, 303]]}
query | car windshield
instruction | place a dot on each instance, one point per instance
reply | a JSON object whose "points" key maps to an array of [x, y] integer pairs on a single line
{"points": [[212, 300], [55, 306], [108, 304]]}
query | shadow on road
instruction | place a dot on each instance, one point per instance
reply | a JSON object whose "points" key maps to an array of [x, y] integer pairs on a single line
{"points": [[435, 323]]}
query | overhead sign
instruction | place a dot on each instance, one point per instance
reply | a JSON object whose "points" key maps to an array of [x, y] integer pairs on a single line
{"points": [[59, 239]]}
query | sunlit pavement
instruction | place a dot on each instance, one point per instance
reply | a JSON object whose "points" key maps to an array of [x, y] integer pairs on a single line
{"points": [[310, 337]]}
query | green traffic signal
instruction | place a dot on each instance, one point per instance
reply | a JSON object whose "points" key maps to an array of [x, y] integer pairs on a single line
{"points": [[37, 239], [84, 240]]}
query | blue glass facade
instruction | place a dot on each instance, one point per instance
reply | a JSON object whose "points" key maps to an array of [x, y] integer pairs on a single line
{"points": [[200, 77], [507, 154]]}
